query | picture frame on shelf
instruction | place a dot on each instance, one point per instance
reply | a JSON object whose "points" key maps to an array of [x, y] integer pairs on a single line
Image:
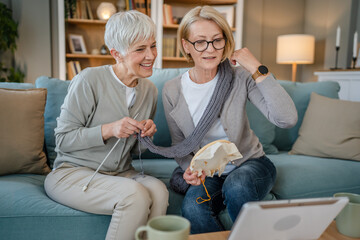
{"points": [[227, 12], [77, 44]]}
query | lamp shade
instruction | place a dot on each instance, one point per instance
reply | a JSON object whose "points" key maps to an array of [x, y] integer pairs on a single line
{"points": [[295, 48]]}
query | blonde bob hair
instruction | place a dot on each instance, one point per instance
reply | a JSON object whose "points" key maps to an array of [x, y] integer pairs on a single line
{"points": [[205, 13], [126, 28]]}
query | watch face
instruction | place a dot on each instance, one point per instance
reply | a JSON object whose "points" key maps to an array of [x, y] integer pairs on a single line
{"points": [[263, 70]]}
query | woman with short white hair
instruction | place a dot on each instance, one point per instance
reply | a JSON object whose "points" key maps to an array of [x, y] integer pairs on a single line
{"points": [[105, 106]]}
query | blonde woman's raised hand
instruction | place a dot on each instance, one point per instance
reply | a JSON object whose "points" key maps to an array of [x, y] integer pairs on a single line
{"points": [[246, 59]]}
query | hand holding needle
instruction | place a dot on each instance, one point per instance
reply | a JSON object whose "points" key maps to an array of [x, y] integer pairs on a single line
{"points": [[97, 170]]}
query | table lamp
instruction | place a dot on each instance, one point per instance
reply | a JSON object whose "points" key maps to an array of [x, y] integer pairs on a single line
{"points": [[295, 49], [105, 10]]}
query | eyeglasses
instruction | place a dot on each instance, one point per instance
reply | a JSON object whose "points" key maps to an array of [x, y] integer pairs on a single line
{"points": [[202, 45]]}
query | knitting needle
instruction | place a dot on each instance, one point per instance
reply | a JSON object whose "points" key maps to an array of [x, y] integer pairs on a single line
{"points": [[97, 170]]}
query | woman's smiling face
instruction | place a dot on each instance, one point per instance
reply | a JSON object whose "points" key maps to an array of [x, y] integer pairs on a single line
{"points": [[140, 58], [204, 30]]}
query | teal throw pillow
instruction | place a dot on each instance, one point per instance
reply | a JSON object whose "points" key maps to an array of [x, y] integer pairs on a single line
{"points": [[56, 92], [300, 94]]}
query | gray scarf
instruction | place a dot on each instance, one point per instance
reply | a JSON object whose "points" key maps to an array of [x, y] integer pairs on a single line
{"points": [[212, 111]]}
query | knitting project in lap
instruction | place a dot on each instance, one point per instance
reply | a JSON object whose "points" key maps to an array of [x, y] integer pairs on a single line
{"points": [[212, 111]]}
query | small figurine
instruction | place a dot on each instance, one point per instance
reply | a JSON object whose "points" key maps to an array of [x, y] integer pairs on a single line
{"points": [[103, 50]]}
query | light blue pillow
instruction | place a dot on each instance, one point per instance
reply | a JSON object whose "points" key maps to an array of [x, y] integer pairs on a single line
{"points": [[56, 92]]}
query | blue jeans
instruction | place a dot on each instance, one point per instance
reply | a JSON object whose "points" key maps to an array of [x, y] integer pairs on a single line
{"points": [[252, 181]]}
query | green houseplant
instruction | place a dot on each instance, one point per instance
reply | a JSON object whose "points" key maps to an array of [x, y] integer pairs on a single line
{"points": [[8, 36]]}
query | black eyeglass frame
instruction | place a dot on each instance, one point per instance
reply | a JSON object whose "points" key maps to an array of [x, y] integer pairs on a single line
{"points": [[207, 42]]}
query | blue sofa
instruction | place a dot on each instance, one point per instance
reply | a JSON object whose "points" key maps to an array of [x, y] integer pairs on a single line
{"points": [[26, 212]]}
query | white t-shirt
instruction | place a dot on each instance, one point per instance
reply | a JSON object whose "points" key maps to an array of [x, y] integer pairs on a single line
{"points": [[130, 92], [192, 93]]}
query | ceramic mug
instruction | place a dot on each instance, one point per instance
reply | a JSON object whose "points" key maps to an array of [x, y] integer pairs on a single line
{"points": [[348, 220], [165, 228]]}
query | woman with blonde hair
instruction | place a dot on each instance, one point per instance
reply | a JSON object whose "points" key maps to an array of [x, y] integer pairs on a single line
{"points": [[212, 97]]}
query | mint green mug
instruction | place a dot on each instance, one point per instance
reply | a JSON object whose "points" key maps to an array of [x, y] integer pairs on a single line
{"points": [[348, 220], [165, 228]]}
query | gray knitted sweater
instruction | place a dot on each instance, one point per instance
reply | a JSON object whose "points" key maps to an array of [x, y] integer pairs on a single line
{"points": [[268, 96], [94, 98]]}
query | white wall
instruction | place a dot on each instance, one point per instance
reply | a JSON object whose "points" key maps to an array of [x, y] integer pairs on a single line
{"points": [[54, 38], [316, 17], [33, 54], [339, 12], [264, 20]]}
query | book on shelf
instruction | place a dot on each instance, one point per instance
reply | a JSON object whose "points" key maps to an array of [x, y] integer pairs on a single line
{"points": [[89, 11], [80, 10], [169, 47], [167, 14], [83, 10], [77, 67], [140, 5], [143, 6], [148, 7], [73, 68], [130, 5], [70, 70]]}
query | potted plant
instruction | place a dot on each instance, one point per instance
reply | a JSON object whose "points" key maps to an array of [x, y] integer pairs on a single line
{"points": [[8, 36]]}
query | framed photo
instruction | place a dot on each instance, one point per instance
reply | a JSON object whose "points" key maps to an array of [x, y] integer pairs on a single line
{"points": [[227, 12], [77, 44]]}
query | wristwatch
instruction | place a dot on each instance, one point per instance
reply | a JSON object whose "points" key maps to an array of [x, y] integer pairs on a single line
{"points": [[261, 71]]}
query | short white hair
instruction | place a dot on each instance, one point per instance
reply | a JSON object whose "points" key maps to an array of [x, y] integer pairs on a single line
{"points": [[126, 28]]}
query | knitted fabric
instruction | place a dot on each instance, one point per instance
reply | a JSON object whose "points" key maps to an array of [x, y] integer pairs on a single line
{"points": [[212, 111]]}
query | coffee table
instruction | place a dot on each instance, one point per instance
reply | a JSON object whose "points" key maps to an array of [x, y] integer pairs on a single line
{"points": [[331, 233]]}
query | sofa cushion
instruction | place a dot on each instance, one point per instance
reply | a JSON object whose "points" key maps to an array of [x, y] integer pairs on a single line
{"points": [[56, 92], [26, 212], [13, 85], [300, 94], [22, 131], [301, 176], [331, 128]]}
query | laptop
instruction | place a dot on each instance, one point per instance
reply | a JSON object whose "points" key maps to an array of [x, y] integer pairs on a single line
{"points": [[286, 219]]}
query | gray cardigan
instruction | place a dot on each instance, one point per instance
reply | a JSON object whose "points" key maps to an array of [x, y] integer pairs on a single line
{"points": [[268, 96], [94, 98]]}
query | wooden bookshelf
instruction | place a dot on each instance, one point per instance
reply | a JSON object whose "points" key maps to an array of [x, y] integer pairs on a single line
{"points": [[203, 2], [85, 21], [181, 59], [78, 55], [92, 31], [176, 26]]}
